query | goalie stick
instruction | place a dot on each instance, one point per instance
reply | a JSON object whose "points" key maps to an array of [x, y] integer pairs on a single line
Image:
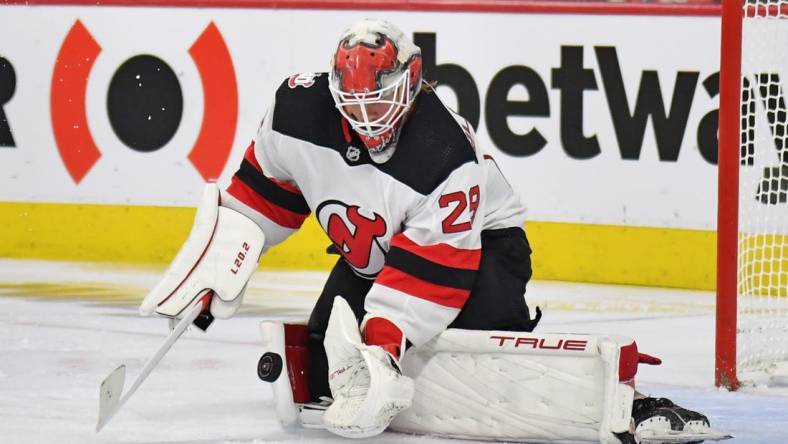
{"points": [[110, 400]]}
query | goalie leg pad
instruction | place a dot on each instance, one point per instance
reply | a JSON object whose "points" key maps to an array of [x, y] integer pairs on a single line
{"points": [[287, 342], [520, 387], [498, 386]]}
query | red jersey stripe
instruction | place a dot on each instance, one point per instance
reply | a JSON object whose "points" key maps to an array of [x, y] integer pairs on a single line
{"points": [[446, 296], [442, 254], [252, 159], [255, 201]]}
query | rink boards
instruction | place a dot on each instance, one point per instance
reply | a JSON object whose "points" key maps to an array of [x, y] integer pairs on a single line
{"points": [[604, 121]]}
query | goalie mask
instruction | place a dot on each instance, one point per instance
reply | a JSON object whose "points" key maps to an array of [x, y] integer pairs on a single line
{"points": [[375, 76]]}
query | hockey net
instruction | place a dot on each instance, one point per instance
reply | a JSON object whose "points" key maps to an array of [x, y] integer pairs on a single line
{"points": [[755, 304]]}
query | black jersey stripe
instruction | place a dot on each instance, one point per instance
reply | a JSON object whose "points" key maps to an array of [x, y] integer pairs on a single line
{"points": [[431, 144], [265, 187], [429, 271]]}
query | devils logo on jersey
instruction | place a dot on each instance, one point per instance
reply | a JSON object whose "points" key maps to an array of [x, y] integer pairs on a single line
{"points": [[354, 234]]}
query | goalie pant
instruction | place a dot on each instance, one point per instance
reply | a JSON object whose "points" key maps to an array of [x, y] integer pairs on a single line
{"points": [[496, 301]]}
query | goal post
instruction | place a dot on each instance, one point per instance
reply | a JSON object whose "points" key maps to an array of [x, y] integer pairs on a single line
{"points": [[752, 218], [728, 194]]}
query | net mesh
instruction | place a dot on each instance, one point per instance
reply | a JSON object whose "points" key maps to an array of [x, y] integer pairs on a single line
{"points": [[762, 328]]}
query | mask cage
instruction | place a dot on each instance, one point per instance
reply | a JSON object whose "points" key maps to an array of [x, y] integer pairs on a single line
{"points": [[396, 95]]}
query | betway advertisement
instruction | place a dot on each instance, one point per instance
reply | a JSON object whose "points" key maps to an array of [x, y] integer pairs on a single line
{"points": [[594, 119]]}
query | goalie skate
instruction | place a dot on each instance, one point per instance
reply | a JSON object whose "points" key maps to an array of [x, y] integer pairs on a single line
{"points": [[660, 421]]}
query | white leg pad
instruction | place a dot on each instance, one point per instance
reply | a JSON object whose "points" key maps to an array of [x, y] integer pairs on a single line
{"points": [[518, 387], [291, 409], [273, 334], [497, 385]]}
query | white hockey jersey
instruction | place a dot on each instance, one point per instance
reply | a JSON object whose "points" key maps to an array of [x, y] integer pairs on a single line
{"points": [[412, 224]]}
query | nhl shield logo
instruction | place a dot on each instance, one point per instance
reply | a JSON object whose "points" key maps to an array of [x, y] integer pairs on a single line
{"points": [[352, 153]]}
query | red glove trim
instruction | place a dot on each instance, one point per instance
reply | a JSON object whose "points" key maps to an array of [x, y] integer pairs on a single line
{"points": [[383, 333]]}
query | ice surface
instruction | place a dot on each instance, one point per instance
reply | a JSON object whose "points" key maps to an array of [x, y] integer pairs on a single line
{"points": [[64, 327]]}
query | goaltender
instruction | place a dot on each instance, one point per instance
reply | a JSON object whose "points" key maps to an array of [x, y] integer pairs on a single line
{"points": [[429, 232]]}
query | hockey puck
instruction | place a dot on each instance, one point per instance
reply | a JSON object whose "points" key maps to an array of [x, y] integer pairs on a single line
{"points": [[269, 367]]}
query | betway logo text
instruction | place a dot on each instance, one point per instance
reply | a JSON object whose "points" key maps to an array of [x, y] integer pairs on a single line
{"points": [[572, 78]]}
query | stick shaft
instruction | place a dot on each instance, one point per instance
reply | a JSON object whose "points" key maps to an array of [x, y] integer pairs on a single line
{"points": [[191, 314], [176, 333]]}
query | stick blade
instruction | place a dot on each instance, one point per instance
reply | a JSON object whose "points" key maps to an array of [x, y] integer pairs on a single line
{"points": [[109, 395]]}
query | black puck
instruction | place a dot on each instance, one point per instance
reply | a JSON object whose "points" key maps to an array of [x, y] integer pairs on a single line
{"points": [[269, 367]]}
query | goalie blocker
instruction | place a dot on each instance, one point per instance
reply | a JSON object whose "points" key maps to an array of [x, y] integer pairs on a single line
{"points": [[219, 257], [498, 385]]}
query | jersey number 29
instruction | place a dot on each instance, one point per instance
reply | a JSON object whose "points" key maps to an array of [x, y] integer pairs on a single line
{"points": [[450, 224]]}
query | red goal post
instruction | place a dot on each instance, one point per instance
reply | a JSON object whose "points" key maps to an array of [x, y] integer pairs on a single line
{"points": [[728, 194], [752, 220]]}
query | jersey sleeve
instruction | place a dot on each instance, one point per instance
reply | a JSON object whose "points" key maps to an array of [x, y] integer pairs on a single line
{"points": [[263, 188], [432, 263]]}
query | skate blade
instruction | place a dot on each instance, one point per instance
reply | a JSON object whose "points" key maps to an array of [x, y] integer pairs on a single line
{"points": [[679, 436]]}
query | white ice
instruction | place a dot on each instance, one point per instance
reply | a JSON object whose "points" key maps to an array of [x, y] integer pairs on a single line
{"points": [[64, 327]]}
